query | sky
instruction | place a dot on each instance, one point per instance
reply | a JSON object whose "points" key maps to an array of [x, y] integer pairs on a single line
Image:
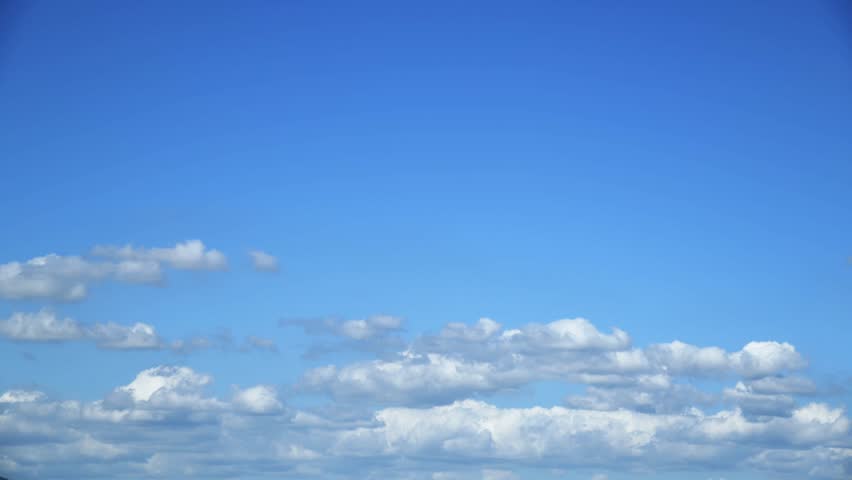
{"points": [[426, 240]]}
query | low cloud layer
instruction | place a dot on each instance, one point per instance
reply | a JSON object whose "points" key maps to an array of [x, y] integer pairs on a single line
{"points": [[426, 413], [165, 422]]}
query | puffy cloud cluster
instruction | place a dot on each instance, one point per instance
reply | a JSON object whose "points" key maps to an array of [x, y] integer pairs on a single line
{"points": [[469, 360], [558, 435], [424, 412], [66, 278], [165, 423], [756, 359]]}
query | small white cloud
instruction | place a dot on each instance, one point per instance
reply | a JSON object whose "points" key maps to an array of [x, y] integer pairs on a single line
{"points": [[263, 262], [170, 387], [260, 399]]}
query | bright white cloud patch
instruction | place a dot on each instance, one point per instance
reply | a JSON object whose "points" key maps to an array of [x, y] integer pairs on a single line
{"points": [[263, 262], [260, 399]]}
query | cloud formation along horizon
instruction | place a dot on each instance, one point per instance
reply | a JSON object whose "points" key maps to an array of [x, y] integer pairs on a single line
{"points": [[425, 411], [423, 408]]}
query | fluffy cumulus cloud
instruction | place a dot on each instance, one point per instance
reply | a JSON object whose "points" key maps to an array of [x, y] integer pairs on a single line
{"points": [[427, 413], [464, 360], [67, 278], [165, 422], [263, 262]]}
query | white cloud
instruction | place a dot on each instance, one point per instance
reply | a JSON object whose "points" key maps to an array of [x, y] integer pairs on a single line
{"points": [[640, 409], [165, 423], [484, 329], [568, 334], [744, 396], [188, 255], [782, 385], [170, 387], [483, 358], [17, 396], [263, 262], [260, 399], [643, 396], [67, 278], [51, 276], [584, 437], [164, 379], [357, 329], [412, 379], [122, 337], [756, 359], [46, 326], [41, 326]]}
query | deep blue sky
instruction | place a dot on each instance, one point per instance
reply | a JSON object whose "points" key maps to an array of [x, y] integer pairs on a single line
{"points": [[680, 170]]}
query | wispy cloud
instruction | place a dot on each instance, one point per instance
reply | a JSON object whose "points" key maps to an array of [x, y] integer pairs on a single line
{"points": [[263, 262], [46, 326]]}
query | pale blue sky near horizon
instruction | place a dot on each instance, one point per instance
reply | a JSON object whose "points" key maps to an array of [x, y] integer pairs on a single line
{"points": [[679, 170]]}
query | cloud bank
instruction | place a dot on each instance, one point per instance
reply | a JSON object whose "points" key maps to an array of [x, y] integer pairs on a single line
{"points": [[426, 413]]}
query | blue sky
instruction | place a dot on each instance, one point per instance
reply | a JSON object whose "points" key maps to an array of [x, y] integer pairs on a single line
{"points": [[679, 172]]}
